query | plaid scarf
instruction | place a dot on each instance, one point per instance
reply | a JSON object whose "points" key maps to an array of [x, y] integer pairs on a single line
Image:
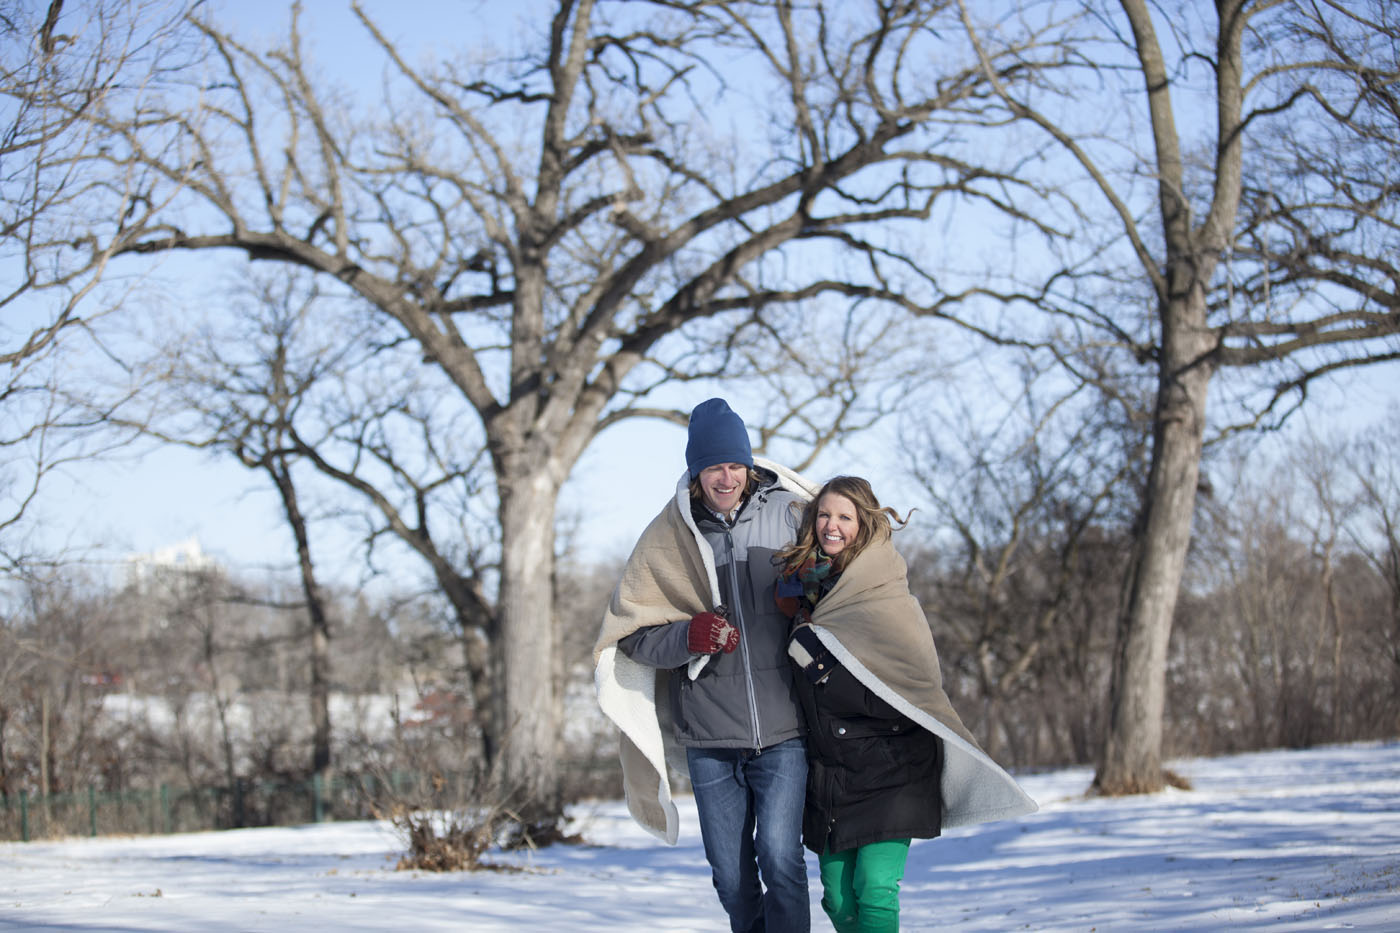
{"points": [[797, 592], [813, 571]]}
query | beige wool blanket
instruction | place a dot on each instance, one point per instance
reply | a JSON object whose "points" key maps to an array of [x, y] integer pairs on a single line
{"points": [[877, 629], [669, 576]]}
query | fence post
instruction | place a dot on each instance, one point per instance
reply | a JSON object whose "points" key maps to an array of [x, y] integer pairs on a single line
{"points": [[92, 810], [317, 794], [24, 815], [165, 809]]}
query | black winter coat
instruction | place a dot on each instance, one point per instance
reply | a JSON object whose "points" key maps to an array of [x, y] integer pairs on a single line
{"points": [[872, 774]]}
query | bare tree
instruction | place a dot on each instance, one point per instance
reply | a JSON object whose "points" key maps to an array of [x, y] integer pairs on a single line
{"points": [[1252, 261], [57, 68], [292, 391], [1033, 491], [53, 738], [1265, 609], [1282, 634], [258, 435], [1376, 530], [1333, 507], [562, 230]]}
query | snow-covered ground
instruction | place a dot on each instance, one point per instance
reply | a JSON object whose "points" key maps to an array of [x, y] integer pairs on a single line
{"points": [[1272, 841]]}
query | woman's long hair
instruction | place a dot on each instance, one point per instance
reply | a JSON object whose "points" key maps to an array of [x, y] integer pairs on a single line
{"points": [[874, 521]]}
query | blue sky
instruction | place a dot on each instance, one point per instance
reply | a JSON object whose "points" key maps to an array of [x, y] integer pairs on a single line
{"points": [[167, 495]]}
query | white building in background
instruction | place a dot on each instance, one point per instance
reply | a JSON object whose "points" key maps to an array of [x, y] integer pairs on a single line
{"points": [[163, 564]]}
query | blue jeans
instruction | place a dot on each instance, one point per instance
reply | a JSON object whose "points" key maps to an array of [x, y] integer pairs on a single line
{"points": [[750, 806]]}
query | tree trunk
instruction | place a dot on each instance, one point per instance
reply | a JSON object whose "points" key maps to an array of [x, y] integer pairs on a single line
{"points": [[4, 757], [44, 750], [1132, 753], [478, 656], [320, 694], [320, 634], [1333, 608], [221, 702], [531, 728]]}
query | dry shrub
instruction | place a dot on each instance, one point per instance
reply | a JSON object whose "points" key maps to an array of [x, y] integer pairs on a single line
{"points": [[444, 832], [446, 841], [1170, 778], [1179, 781], [520, 834]]}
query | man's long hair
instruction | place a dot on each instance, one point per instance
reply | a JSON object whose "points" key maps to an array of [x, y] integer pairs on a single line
{"points": [[698, 495]]}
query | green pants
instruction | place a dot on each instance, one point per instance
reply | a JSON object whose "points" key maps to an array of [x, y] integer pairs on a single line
{"points": [[860, 887]]}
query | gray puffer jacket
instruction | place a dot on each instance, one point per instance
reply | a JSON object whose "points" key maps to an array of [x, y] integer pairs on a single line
{"points": [[747, 698]]}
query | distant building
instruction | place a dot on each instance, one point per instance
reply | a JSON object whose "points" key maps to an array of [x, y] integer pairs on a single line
{"points": [[160, 566]]}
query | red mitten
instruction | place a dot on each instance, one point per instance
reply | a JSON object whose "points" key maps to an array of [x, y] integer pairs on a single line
{"points": [[731, 638], [710, 633]]}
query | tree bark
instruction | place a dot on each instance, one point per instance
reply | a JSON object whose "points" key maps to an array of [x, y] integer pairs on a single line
{"points": [[527, 642], [1132, 754], [319, 639]]}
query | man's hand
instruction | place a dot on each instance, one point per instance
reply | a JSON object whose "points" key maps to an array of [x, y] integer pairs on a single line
{"points": [[710, 634]]}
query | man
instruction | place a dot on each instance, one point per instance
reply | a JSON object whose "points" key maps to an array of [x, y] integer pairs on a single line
{"points": [[692, 656]]}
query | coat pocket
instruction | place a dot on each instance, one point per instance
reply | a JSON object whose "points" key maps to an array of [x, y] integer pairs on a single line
{"points": [[849, 729]]}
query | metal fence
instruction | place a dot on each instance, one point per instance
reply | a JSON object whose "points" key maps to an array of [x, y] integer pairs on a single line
{"points": [[173, 809], [342, 796]]}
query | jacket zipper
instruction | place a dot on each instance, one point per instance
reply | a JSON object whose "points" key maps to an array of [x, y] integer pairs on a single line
{"points": [[743, 640]]}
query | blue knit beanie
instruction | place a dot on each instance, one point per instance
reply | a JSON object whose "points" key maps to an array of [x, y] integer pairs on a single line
{"points": [[717, 435]]}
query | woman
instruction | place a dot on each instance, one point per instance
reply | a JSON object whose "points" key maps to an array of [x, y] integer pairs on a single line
{"points": [[888, 758]]}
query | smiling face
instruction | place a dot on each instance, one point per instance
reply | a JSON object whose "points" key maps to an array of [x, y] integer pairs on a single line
{"points": [[723, 486], [837, 523]]}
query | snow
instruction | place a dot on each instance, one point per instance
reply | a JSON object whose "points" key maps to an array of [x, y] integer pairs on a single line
{"points": [[1282, 840]]}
